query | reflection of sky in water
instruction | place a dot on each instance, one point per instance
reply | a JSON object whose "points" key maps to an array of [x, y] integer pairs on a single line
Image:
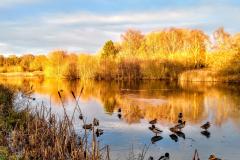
{"points": [[224, 140]]}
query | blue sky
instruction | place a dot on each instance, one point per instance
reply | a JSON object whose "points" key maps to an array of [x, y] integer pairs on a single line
{"points": [[39, 26]]}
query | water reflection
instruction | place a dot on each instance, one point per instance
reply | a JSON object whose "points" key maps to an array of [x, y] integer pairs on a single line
{"points": [[129, 106], [154, 99]]}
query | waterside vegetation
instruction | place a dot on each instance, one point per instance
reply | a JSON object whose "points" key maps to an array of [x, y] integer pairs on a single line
{"points": [[171, 53]]}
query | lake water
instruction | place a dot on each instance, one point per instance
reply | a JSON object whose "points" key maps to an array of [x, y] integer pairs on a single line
{"points": [[143, 101]]}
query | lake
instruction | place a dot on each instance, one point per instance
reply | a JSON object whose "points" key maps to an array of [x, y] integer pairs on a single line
{"points": [[127, 131]]}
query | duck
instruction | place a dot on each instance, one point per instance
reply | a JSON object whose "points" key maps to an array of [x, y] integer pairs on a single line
{"points": [[165, 157], [156, 138], [150, 158], [173, 129], [156, 130], [95, 122], [180, 115], [206, 125], [180, 121], [99, 132], [173, 137], [181, 125], [119, 110], [213, 157], [87, 126], [154, 121], [80, 117], [206, 133], [153, 126]]}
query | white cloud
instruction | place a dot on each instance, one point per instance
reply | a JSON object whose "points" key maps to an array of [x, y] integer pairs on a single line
{"points": [[87, 32]]}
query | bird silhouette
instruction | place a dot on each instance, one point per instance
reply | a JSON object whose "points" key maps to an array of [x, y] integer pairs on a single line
{"points": [[99, 132], [154, 121], [206, 125], [213, 157], [87, 126], [165, 157], [95, 122], [181, 125]]}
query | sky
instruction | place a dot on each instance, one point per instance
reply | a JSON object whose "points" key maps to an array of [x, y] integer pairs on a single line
{"points": [[83, 26]]}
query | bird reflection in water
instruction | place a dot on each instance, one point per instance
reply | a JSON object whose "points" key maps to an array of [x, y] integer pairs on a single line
{"points": [[119, 116], [154, 139], [180, 134], [206, 133], [173, 137]]}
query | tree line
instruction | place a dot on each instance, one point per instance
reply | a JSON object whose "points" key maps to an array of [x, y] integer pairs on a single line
{"points": [[162, 54]]}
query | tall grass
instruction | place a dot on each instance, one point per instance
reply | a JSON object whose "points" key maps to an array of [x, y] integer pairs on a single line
{"points": [[28, 134]]}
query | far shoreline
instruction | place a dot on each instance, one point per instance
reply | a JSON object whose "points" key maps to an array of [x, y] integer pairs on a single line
{"points": [[197, 75]]}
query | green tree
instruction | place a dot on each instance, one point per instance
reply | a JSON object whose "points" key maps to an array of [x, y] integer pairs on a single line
{"points": [[109, 49]]}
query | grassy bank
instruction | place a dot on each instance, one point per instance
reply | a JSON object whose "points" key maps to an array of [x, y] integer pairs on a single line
{"points": [[22, 74], [41, 135], [206, 75]]}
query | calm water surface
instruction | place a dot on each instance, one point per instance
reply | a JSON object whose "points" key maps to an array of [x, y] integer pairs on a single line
{"points": [[144, 101]]}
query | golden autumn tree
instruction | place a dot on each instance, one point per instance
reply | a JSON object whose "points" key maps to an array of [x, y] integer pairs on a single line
{"points": [[56, 61], [131, 41]]}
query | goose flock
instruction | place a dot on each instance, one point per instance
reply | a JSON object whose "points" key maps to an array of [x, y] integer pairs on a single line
{"points": [[176, 132]]}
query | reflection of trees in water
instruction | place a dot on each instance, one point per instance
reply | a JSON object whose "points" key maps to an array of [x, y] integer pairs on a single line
{"points": [[109, 105], [222, 99], [191, 99]]}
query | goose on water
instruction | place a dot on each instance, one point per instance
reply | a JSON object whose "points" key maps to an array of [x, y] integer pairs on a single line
{"points": [[206, 125], [156, 130], [181, 125], [165, 157], [154, 121], [87, 126], [95, 122], [99, 132], [213, 157]]}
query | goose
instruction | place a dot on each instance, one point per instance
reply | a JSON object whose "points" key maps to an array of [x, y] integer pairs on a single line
{"points": [[174, 137], [213, 157], [165, 157], [95, 122], [150, 158], [154, 121], [206, 125], [206, 133], [153, 126], [99, 132], [87, 126], [156, 130], [180, 121], [80, 117], [156, 138], [119, 110], [180, 115], [173, 129], [181, 125]]}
